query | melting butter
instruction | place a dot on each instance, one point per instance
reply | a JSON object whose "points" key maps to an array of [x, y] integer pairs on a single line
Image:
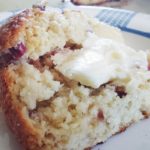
{"points": [[100, 61]]}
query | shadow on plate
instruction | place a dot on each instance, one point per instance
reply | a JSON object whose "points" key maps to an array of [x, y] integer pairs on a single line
{"points": [[7, 140]]}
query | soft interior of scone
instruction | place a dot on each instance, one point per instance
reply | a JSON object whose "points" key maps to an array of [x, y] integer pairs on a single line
{"points": [[72, 115]]}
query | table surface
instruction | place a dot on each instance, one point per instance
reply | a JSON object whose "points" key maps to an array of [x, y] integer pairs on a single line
{"points": [[139, 6]]}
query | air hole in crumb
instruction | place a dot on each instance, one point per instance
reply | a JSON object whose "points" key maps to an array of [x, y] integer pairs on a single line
{"points": [[96, 92], [71, 107], [100, 115], [46, 61], [145, 114], [121, 91], [72, 46], [50, 136], [44, 103], [37, 64], [33, 114]]}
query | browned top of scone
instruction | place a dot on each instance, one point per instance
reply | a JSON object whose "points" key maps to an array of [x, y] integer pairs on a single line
{"points": [[9, 32]]}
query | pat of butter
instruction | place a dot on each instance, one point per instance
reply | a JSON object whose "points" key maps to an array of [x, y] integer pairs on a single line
{"points": [[99, 61]]}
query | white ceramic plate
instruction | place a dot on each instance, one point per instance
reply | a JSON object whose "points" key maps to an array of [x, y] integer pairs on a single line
{"points": [[136, 137]]}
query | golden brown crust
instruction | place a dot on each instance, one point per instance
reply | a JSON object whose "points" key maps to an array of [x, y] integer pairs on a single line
{"points": [[9, 33], [24, 131]]}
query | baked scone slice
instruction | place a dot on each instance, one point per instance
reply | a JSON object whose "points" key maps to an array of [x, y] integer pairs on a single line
{"points": [[50, 98]]}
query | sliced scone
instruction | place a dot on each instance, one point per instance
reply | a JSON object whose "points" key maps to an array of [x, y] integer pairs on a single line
{"points": [[68, 81]]}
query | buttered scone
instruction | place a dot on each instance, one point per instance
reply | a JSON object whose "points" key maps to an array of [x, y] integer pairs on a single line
{"points": [[68, 81]]}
